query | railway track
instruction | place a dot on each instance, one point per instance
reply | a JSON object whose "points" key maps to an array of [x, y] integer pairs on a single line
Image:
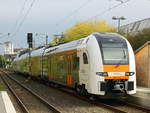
{"points": [[114, 108], [122, 106], [145, 109], [29, 101], [96, 102]]}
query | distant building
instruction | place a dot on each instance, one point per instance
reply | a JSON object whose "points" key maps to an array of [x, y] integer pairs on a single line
{"points": [[135, 27], [9, 51], [8, 48]]}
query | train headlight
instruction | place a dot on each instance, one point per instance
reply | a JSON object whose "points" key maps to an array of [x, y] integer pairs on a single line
{"points": [[129, 73], [102, 73]]}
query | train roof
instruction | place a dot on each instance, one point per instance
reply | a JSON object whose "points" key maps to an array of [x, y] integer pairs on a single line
{"points": [[50, 50], [64, 47]]}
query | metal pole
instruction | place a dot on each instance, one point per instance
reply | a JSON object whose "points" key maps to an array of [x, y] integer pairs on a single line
{"points": [[46, 39], [119, 25], [30, 59]]}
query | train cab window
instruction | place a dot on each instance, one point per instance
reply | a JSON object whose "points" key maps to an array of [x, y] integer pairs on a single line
{"points": [[85, 59]]}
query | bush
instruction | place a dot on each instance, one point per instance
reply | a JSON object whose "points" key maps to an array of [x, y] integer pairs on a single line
{"points": [[139, 38]]}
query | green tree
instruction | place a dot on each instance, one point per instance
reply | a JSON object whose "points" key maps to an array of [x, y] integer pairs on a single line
{"points": [[2, 61], [139, 38]]}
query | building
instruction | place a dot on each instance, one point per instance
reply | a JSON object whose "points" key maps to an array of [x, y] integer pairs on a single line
{"points": [[142, 56], [8, 48], [135, 27]]}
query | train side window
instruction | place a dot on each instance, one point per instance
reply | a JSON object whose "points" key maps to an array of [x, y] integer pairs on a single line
{"points": [[75, 63], [85, 59]]}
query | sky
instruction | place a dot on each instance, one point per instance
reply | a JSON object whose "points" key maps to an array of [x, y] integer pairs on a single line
{"points": [[52, 17]]}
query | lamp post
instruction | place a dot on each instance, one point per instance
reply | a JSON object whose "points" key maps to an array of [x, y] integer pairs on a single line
{"points": [[119, 20]]}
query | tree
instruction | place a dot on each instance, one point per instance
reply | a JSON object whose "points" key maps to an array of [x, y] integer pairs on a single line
{"points": [[57, 40], [139, 38], [83, 29], [2, 61]]}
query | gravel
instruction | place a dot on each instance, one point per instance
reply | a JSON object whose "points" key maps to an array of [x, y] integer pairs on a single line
{"points": [[33, 104], [64, 102], [67, 103], [12, 98]]}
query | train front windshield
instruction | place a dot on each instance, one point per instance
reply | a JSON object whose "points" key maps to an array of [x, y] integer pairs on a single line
{"points": [[115, 53], [114, 49]]}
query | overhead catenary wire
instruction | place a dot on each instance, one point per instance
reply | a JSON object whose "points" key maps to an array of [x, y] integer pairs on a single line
{"points": [[107, 10], [73, 12], [26, 14], [17, 20], [20, 15], [103, 12]]}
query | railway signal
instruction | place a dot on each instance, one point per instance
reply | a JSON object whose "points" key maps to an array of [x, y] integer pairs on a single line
{"points": [[30, 40]]}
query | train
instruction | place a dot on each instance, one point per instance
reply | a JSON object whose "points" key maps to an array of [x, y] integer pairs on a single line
{"points": [[99, 64]]}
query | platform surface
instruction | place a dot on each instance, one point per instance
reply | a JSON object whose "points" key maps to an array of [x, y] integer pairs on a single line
{"points": [[143, 90], [6, 105]]}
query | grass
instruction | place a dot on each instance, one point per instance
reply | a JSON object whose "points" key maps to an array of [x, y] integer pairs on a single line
{"points": [[2, 88]]}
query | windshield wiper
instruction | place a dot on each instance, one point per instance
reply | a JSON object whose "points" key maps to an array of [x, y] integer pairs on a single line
{"points": [[124, 56], [124, 53]]}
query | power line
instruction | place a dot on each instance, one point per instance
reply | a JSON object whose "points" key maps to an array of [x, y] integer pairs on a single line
{"points": [[20, 14], [73, 12], [28, 11], [109, 9], [17, 20]]}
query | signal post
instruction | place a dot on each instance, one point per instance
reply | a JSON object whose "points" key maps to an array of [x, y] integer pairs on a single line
{"points": [[30, 44]]}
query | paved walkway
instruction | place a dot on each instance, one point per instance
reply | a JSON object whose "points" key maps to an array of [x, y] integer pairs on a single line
{"points": [[143, 90], [6, 105]]}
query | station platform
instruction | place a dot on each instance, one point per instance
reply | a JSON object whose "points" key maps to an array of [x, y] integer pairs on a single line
{"points": [[142, 97], [143, 90], [6, 105]]}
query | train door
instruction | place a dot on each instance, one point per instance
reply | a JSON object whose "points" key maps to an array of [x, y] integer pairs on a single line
{"points": [[84, 69], [73, 69], [69, 78], [44, 67]]}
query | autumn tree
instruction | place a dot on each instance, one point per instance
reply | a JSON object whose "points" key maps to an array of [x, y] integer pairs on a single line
{"points": [[83, 29]]}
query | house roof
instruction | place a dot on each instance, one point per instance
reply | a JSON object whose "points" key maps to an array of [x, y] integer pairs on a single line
{"points": [[148, 42]]}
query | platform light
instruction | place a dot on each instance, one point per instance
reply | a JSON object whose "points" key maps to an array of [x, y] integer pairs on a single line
{"points": [[119, 19]]}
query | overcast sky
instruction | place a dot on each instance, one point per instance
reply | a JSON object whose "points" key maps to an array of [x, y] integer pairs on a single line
{"points": [[55, 16]]}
